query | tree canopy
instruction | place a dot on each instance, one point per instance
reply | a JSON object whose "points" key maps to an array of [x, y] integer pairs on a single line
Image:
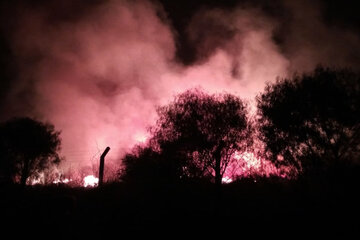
{"points": [[27, 147], [199, 133], [311, 121]]}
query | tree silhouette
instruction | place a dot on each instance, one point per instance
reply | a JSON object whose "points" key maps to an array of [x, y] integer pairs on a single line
{"points": [[311, 121], [203, 130], [27, 147]]}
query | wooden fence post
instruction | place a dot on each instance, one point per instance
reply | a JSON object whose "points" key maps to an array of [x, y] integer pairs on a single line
{"points": [[101, 168]]}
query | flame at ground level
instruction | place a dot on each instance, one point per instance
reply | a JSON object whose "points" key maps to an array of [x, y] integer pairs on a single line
{"points": [[91, 181], [247, 164], [87, 181], [226, 179], [242, 165]]}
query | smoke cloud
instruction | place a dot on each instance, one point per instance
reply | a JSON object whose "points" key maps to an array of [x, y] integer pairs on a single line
{"points": [[98, 70]]}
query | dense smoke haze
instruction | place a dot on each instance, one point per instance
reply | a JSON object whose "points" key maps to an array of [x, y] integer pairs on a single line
{"points": [[97, 70]]}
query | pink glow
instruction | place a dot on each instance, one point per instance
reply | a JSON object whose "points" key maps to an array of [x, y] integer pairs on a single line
{"points": [[141, 138], [100, 81], [248, 164], [99, 78]]}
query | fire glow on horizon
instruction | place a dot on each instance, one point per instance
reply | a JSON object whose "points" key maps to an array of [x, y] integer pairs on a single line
{"points": [[98, 77], [105, 90], [242, 165]]}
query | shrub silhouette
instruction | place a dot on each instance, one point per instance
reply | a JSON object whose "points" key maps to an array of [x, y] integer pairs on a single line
{"points": [[145, 165]]}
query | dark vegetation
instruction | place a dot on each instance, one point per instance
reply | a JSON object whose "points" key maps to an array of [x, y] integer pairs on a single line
{"points": [[195, 137], [173, 184], [311, 121], [27, 147], [267, 207]]}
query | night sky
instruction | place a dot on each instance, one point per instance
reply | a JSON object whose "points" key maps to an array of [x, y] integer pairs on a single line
{"points": [[98, 69]]}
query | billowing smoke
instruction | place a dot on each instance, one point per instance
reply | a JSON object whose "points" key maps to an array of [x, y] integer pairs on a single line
{"points": [[98, 69]]}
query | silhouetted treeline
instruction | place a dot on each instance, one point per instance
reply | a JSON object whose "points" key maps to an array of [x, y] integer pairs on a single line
{"points": [[309, 122]]}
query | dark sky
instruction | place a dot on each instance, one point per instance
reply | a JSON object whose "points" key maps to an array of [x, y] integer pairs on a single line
{"points": [[344, 13], [341, 13]]}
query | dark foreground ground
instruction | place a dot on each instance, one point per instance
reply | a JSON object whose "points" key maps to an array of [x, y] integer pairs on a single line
{"points": [[265, 208]]}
